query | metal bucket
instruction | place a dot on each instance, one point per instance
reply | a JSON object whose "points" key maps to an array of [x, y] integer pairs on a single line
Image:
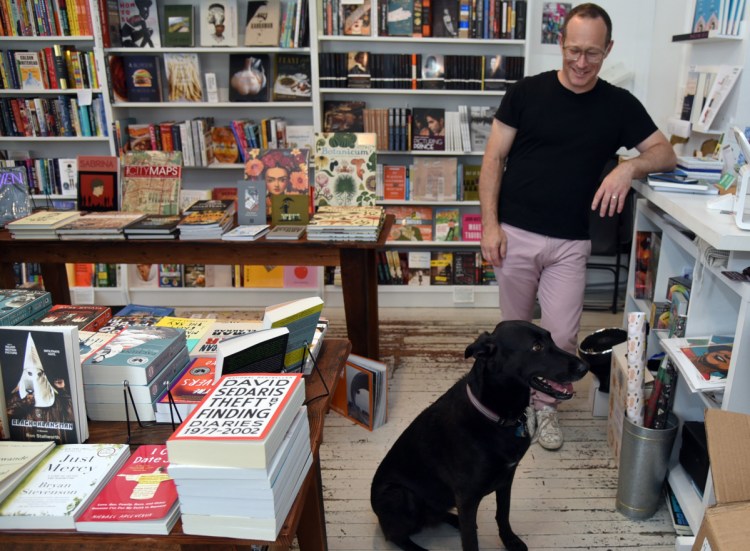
{"points": [[644, 456]]}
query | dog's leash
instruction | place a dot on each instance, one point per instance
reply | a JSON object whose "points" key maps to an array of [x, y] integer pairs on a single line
{"points": [[519, 422]]}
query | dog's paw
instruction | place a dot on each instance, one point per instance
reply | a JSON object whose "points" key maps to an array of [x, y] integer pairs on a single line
{"points": [[514, 543]]}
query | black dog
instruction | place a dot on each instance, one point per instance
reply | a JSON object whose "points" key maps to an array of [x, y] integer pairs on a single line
{"points": [[469, 442]]}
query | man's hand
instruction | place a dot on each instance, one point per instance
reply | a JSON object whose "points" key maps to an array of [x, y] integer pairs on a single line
{"points": [[494, 245], [610, 197]]}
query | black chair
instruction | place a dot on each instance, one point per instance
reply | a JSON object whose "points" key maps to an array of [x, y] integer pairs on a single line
{"points": [[611, 237]]}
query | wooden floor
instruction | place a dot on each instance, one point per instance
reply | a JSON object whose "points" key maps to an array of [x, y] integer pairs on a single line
{"points": [[561, 500]]}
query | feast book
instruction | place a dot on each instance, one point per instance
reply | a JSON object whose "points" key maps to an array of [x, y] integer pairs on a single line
{"points": [[97, 183], [151, 182], [240, 423], [346, 166], [61, 486], [258, 352], [17, 459], [42, 384], [300, 317], [292, 78], [137, 354], [87, 317], [141, 498]]}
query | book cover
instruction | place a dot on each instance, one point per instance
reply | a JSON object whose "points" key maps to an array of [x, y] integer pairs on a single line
{"points": [[292, 78], [441, 268], [400, 17], [61, 486], [170, 275], [208, 344], [183, 77], [343, 116], [43, 394], [394, 182], [358, 69], [251, 438], [706, 15], [285, 233], [67, 169], [445, 18], [138, 354], [465, 268], [248, 77], [43, 219], [209, 213], [224, 145], [412, 223], [194, 328], [139, 137], [263, 23], [447, 224], [480, 124], [711, 361], [180, 28], [97, 183], [471, 227], [143, 275], [300, 277], [357, 18], [142, 78], [300, 317], [29, 70], [87, 317], [251, 209], [281, 171], [161, 226], [89, 342], [470, 188], [218, 23], [418, 264], [141, 498], [428, 129], [18, 304], [290, 210], [346, 166], [139, 24], [361, 394], [432, 72], [99, 225], [263, 276], [17, 459], [189, 388], [434, 179], [195, 275], [151, 182], [258, 352]]}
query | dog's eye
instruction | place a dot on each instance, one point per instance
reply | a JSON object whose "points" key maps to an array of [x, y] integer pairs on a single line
{"points": [[537, 347]]}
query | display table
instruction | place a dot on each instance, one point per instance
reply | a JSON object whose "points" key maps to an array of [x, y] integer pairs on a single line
{"points": [[306, 519], [358, 261]]}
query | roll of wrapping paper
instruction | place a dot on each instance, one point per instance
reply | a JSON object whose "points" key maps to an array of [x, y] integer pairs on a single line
{"points": [[636, 366]]}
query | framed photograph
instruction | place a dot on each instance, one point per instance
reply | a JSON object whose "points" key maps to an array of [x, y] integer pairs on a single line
{"points": [[553, 16], [251, 202]]}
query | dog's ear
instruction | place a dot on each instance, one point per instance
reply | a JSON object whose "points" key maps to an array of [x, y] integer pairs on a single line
{"points": [[484, 346]]}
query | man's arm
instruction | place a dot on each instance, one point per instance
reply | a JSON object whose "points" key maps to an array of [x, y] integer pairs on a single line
{"points": [[490, 178], [656, 155]]}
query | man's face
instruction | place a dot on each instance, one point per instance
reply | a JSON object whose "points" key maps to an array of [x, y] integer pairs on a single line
{"points": [[276, 180], [583, 35], [144, 270], [434, 125]]}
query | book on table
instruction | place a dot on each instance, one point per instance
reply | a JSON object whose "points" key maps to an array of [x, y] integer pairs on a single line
{"points": [[284, 232], [154, 226], [17, 305], [61, 486], [17, 459], [301, 317], [187, 390], [208, 345], [194, 328], [43, 390], [99, 225], [258, 352], [241, 422], [151, 182], [141, 498], [87, 317]]}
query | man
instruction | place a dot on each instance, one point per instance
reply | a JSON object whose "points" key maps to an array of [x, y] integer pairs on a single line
{"points": [[550, 139]]}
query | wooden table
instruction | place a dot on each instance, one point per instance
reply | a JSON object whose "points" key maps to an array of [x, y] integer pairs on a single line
{"points": [[306, 519], [358, 261]]}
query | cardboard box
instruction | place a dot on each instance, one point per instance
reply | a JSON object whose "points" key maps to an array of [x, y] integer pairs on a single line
{"points": [[725, 526], [618, 396]]}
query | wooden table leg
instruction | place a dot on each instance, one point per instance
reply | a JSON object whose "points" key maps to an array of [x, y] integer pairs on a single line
{"points": [[359, 283], [311, 532], [55, 279]]}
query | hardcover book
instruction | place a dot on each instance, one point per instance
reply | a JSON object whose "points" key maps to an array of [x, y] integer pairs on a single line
{"points": [[43, 390], [265, 276], [208, 345], [300, 317], [141, 498], [433, 72], [282, 171], [418, 263], [428, 129], [441, 268], [471, 227], [99, 225], [702, 361], [343, 116], [183, 77], [357, 18], [434, 179], [154, 226], [346, 166], [412, 223], [466, 268], [29, 70], [151, 182], [142, 78], [219, 23], [447, 224], [17, 459], [258, 352], [445, 18], [276, 400], [139, 24], [97, 183], [170, 275], [87, 317], [137, 354], [180, 28], [400, 17], [263, 23], [290, 209], [292, 78], [61, 486], [394, 182], [224, 145], [246, 233], [480, 124], [358, 70], [248, 77], [284, 233]]}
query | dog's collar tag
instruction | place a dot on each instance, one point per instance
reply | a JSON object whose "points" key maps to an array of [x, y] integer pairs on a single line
{"points": [[488, 413]]}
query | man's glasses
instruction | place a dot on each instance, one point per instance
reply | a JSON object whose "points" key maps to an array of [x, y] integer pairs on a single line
{"points": [[574, 54]]}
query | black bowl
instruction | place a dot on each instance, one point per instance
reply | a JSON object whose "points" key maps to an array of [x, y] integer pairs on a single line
{"points": [[596, 350]]}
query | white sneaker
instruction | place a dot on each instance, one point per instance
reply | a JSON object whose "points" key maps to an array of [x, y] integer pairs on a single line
{"points": [[531, 422], [548, 432]]}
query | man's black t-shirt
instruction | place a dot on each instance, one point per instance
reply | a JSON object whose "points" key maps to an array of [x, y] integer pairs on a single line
{"points": [[562, 143]]}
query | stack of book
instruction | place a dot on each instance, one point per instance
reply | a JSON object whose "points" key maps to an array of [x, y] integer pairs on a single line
{"points": [[140, 499], [338, 223], [17, 459], [702, 168], [18, 306], [61, 486], [679, 181], [136, 314], [256, 470], [99, 225], [246, 233], [155, 226], [133, 370], [187, 390], [41, 225], [207, 219]]}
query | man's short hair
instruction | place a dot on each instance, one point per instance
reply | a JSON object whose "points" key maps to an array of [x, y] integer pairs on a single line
{"points": [[589, 11]]}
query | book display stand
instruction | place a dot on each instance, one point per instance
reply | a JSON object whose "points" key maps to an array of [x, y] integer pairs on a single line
{"points": [[127, 394]]}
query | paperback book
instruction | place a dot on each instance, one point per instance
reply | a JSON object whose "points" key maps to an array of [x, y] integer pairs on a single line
{"points": [[208, 345], [258, 352], [300, 317], [151, 182], [86, 317], [263, 23], [218, 23], [194, 328], [249, 77], [428, 129], [187, 390], [139, 24], [183, 77], [97, 183], [16, 305], [361, 394], [17, 459]]}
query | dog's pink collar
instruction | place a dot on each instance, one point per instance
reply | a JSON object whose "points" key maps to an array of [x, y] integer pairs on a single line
{"points": [[494, 417]]}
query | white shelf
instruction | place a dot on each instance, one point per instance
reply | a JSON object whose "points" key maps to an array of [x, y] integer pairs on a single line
{"points": [[207, 105], [411, 202], [48, 91], [54, 138], [208, 50], [427, 244], [412, 153], [45, 39], [409, 91], [431, 296], [427, 40]]}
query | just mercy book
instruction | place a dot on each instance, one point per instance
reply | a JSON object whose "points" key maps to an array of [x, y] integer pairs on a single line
{"points": [[240, 423]]}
